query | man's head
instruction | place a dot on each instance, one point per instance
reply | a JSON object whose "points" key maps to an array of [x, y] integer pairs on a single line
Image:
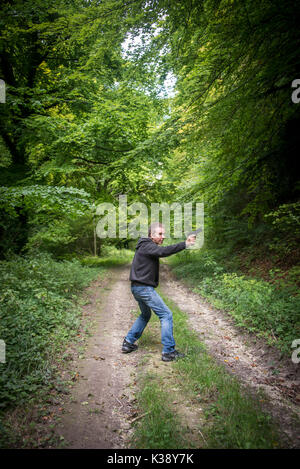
{"points": [[156, 232]]}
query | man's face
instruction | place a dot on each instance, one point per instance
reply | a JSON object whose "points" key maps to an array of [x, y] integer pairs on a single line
{"points": [[158, 235]]}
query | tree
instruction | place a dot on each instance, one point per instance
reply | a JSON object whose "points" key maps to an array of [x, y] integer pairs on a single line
{"points": [[74, 115], [232, 114]]}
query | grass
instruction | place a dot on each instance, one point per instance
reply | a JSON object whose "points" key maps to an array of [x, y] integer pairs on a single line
{"points": [[161, 427], [230, 417], [270, 310], [111, 257]]}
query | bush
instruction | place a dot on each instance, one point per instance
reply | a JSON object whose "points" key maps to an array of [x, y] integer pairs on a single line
{"points": [[285, 222], [38, 315]]}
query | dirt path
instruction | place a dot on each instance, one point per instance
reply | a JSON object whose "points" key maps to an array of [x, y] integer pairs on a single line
{"points": [[98, 412], [258, 366]]}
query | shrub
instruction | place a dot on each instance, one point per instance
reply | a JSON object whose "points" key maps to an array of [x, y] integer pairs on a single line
{"points": [[38, 315]]}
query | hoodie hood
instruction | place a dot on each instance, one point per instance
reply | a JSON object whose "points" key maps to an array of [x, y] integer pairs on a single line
{"points": [[141, 241]]}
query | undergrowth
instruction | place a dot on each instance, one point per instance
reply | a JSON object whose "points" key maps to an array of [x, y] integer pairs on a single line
{"points": [[110, 257], [39, 314], [270, 310]]}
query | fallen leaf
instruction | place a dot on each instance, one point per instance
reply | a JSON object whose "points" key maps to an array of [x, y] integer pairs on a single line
{"points": [[98, 358]]}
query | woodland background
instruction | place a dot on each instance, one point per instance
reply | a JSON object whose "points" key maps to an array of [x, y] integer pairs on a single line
{"points": [[162, 101]]}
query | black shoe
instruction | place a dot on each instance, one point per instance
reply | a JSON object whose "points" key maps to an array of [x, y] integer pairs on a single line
{"points": [[179, 354], [127, 347], [169, 357]]}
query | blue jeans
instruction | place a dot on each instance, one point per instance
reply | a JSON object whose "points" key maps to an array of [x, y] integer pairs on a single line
{"points": [[148, 299]]}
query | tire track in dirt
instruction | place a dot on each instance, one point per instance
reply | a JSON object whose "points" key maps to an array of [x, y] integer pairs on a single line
{"points": [[257, 365], [102, 402], [97, 415]]}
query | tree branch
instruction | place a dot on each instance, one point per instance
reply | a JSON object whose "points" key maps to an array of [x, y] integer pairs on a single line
{"points": [[113, 149], [89, 161]]}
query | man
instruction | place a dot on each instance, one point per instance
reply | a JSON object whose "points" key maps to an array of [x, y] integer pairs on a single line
{"points": [[144, 276]]}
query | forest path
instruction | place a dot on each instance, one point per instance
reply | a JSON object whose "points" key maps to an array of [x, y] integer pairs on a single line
{"points": [[98, 413], [256, 365], [101, 405]]}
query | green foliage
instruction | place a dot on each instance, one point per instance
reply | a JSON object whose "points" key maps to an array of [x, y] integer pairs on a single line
{"points": [[86, 109], [39, 315], [268, 310], [286, 228], [110, 256], [56, 237], [74, 118], [160, 427], [49, 214], [44, 199], [232, 116]]}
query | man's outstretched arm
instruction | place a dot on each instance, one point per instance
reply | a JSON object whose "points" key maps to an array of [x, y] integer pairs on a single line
{"points": [[153, 249]]}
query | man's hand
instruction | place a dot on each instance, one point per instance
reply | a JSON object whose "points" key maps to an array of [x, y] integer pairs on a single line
{"points": [[190, 240]]}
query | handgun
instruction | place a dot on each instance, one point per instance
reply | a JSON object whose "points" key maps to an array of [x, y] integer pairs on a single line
{"points": [[194, 232]]}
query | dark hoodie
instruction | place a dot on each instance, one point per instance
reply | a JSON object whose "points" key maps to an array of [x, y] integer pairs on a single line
{"points": [[145, 264]]}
